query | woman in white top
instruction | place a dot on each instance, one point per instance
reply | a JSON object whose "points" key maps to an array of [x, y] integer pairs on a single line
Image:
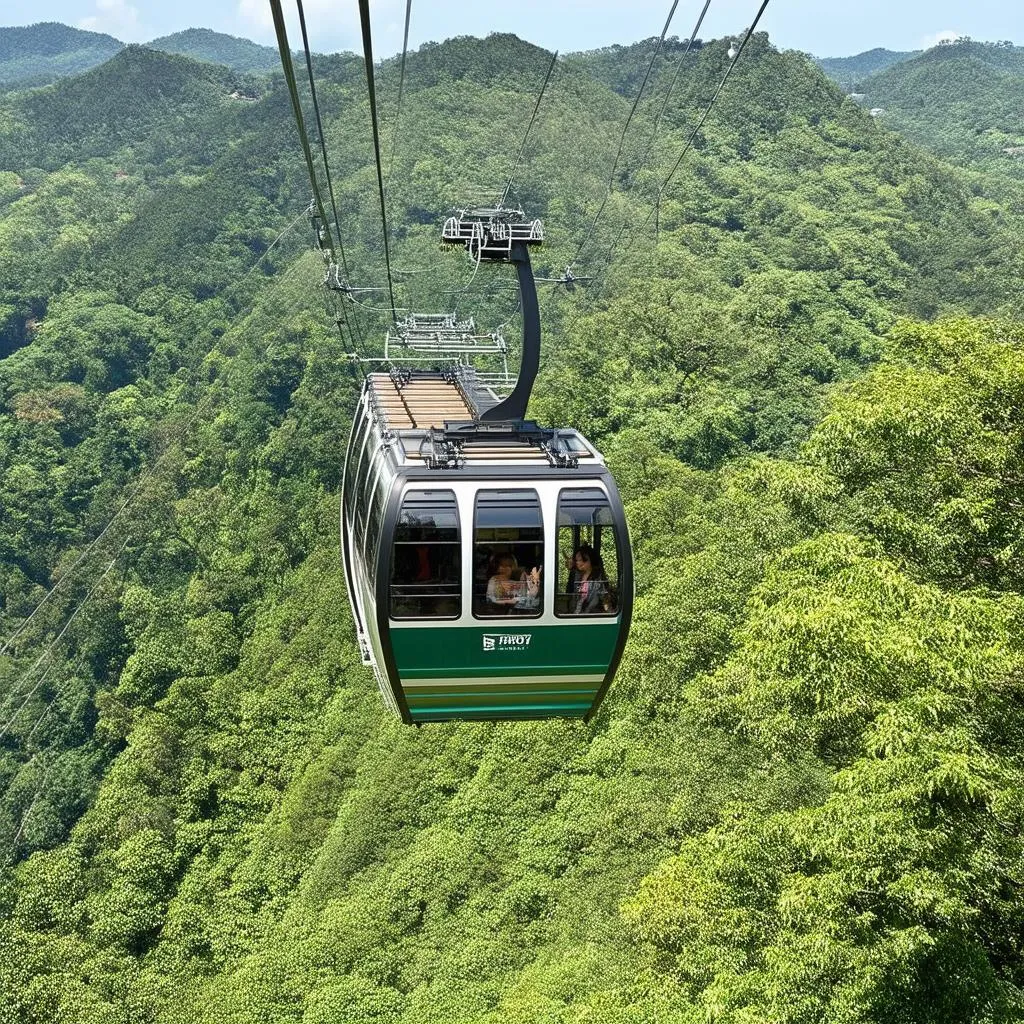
{"points": [[509, 591]]}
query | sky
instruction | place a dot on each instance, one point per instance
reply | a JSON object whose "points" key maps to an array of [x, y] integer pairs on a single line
{"points": [[826, 28]]}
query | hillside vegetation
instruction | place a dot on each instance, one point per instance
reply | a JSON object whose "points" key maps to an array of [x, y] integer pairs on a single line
{"points": [[801, 800], [38, 54], [963, 100], [47, 52], [851, 71], [218, 48]]}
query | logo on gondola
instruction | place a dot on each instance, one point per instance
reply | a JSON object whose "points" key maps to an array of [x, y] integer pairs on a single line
{"points": [[507, 641]]}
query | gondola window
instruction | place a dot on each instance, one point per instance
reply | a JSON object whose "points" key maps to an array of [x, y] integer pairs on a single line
{"points": [[426, 563], [508, 544], [585, 520]]}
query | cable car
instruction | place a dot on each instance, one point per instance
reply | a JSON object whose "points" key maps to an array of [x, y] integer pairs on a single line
{"points": [[487, 558]]}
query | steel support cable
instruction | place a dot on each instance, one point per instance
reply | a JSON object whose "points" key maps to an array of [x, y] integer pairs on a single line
{"points": [[69, 573], [354, 336], [465, 288], [31, 807], [320, 133], [56, 640], [28, 811], [364, 18], [689, 142], [293, 91], [59, 693], [394, 310], [529, 128], [673, 83], [401, 85], [266, 252], [12, 698], [625, 129]]}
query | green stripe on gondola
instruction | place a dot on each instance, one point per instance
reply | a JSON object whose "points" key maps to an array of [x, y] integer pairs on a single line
{"points": [[478, 699], [456, 650], [511, 711], [525, 670], [500, 686]]}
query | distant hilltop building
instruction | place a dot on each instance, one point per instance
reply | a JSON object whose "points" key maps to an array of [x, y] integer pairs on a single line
{"points": [[876, 111]]}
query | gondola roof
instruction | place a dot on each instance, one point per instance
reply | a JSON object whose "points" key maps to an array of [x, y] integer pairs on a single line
{"points": [[416, 410]]}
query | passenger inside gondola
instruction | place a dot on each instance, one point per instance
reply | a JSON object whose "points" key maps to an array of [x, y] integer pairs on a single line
{"points": [[508, 536], [510, 589], [588, 552], [426, 558], [588, 583]]}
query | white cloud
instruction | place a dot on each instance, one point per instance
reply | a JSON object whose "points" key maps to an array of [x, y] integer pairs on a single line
{"points": [[946, 36], [256, 14], [116, 18]]}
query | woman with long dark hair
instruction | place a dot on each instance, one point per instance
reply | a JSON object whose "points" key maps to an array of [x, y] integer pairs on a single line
{"points": [[588, 585]]}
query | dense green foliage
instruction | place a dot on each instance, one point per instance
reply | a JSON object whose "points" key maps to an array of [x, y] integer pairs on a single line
{"points": [[964, 100], [801, 800], [41, 53], [218, 48], [849, 71]]}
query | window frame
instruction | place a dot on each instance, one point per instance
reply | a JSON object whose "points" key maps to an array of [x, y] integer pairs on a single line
{"points": [[522, 614], [453, 508], [614, 585]]}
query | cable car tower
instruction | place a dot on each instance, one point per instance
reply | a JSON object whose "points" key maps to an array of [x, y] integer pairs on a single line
{"points": [[433, 336], [487, 558]]}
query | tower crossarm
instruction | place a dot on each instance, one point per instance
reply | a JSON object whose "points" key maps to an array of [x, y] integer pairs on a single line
{"points": [[488, 233]]}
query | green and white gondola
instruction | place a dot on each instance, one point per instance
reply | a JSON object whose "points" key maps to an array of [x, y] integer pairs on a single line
{"points": [[433, 499]]}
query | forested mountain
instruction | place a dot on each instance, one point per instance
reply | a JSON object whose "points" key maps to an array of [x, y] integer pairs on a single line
{"points": [[138, 102], [801, 800], [44, 53], [623, 67], [41, 53], [963, 100], [218, 48], [851, 71]]}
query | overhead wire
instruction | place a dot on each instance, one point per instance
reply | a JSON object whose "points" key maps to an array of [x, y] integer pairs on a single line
{"points": [[28, 810], [293, 91], [26, 694], [320, 133], [327, 166], [266, 251], [733, 61], [69, 573], [461, 291], [673, 83], [56, 640], [58, 693], [700, 124], [364, 18], [529, 128], [401, 85], [281, 32], [625, 130]]}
